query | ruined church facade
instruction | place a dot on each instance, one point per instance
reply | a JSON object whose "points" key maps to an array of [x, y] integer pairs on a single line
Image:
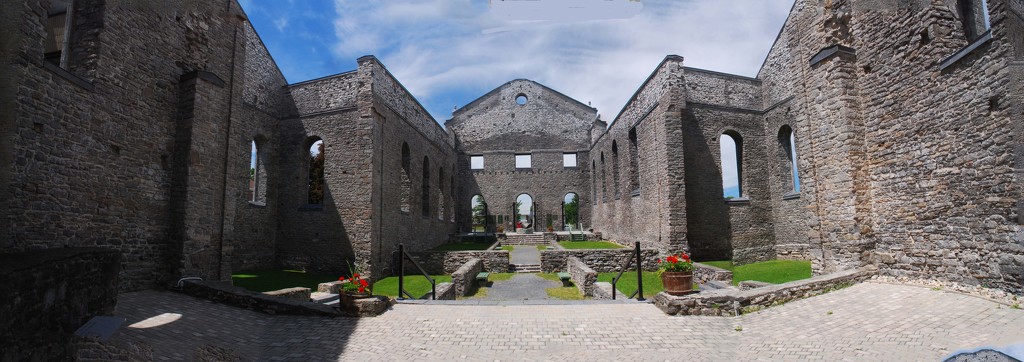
{"points": [[880, 136]]}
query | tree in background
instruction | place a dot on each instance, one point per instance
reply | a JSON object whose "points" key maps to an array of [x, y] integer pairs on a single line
{"points": [[316, 175], [571, 211]]}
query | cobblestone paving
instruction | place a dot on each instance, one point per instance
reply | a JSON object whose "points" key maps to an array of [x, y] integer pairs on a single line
{"points": [[869, 321], [521, 287]]}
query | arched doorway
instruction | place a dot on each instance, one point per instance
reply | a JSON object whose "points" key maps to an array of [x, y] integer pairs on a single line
{"points": [[479, 212], [571, 211], [523, 210]]}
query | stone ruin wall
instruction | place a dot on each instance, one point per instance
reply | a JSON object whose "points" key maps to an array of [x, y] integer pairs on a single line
{"points": [[916, 181], [946, 204], [656, 217], [397, 119], [718, 229], [322, 237], [94, 150], [498, 128]]}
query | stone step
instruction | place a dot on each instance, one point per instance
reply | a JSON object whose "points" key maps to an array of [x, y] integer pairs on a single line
{"points": [[525, 268], [323, 298]]}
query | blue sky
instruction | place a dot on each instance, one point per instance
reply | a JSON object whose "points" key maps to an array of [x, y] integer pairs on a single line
{"points": [[449, 52]]}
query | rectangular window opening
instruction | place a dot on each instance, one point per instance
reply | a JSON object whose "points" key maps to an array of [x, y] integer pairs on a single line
{"points": [[524, 161], [58, 27], [476, 162], [569, 159]]}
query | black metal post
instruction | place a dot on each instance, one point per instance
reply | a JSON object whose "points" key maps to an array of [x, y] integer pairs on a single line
{"points": [[639, 274], [401, 271]]}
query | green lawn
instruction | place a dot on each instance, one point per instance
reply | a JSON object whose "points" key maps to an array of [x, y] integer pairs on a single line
{"points": [[542, 247], [627, 284], [589, 245], [565, 293], [772, 271], [267, 280], [463, 246], [507, 247], [416, 285]]}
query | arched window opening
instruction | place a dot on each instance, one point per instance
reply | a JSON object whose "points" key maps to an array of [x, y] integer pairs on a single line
{"points": [[317, 156], [788, 157], [974, 18], [479, 213], [425, 188], [405, 180], [731, 153], [523, 210], [451, 205], [634, 158], [604, 180], [258, 172], [440, 193], [615, 169], [571, 211]]}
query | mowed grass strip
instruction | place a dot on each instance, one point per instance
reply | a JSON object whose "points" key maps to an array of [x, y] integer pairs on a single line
{"points": [[772, 271], [267, 280], [463, 247], [627, 284], [417, 285], [589, 245]]}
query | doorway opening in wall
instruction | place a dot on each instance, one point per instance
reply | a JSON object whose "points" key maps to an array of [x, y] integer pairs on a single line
{"points": [[571, 212], [523, 209], [479, 210]]}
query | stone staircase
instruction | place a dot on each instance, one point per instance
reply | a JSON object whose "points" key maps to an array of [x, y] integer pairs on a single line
{"points": [[525, 268], [525, 239]]}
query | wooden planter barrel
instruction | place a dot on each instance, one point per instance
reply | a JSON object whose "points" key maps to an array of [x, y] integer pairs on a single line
{"points": [[677, 283]]}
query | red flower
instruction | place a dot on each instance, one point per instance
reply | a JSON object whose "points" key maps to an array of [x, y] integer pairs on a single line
{"points": [[355, 276], [341, 279], [672, 259], [362, 289], [363, 283]]}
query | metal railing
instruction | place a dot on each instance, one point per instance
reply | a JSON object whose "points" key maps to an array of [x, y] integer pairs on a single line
{"points": [[402, 255], [639, 274]]}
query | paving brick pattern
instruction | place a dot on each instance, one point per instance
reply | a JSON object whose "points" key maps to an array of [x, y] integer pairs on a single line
{"points": [[869, 321]]}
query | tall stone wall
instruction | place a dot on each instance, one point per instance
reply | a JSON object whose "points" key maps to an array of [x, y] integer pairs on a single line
{"points": [[894, 172], [421, 218], [649, 207], [101, 153], [945, 203], [548, 125], [324, 237]]}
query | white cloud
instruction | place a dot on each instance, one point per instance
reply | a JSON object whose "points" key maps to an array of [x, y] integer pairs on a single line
{"points": [[440, 47], [281, 23]]}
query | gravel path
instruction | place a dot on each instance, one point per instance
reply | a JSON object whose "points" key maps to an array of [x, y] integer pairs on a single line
{"points": [[520, 287]]}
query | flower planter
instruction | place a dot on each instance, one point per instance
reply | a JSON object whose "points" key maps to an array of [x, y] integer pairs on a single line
{"points": [[677, 283], [347, 300]]}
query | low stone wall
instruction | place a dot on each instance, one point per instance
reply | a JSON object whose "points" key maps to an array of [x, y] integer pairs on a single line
{"points": [[447, 262], [602, 290], [243, 298], [704, 274], [445, 291], [48, 294], [582, 275], [465, 277], [732, 302], [297, 293], [91, 349], [601, 260]]}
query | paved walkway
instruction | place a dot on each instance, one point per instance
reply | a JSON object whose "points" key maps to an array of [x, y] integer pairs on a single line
{"points": [[524, 254], [521, 287], [867, 322]]}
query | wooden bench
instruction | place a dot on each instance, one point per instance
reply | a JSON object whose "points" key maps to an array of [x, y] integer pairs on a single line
{"points": [[482, 277]]}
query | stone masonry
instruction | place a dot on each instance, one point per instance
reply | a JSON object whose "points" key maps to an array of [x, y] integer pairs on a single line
{"points": [[906, 118]]}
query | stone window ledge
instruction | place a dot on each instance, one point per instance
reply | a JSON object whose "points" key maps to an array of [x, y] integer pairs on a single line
{"points": [[970, 48], [738, 201], [257, 205], [311, 207], [635, 193], [791, 196], [71, 77]]}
